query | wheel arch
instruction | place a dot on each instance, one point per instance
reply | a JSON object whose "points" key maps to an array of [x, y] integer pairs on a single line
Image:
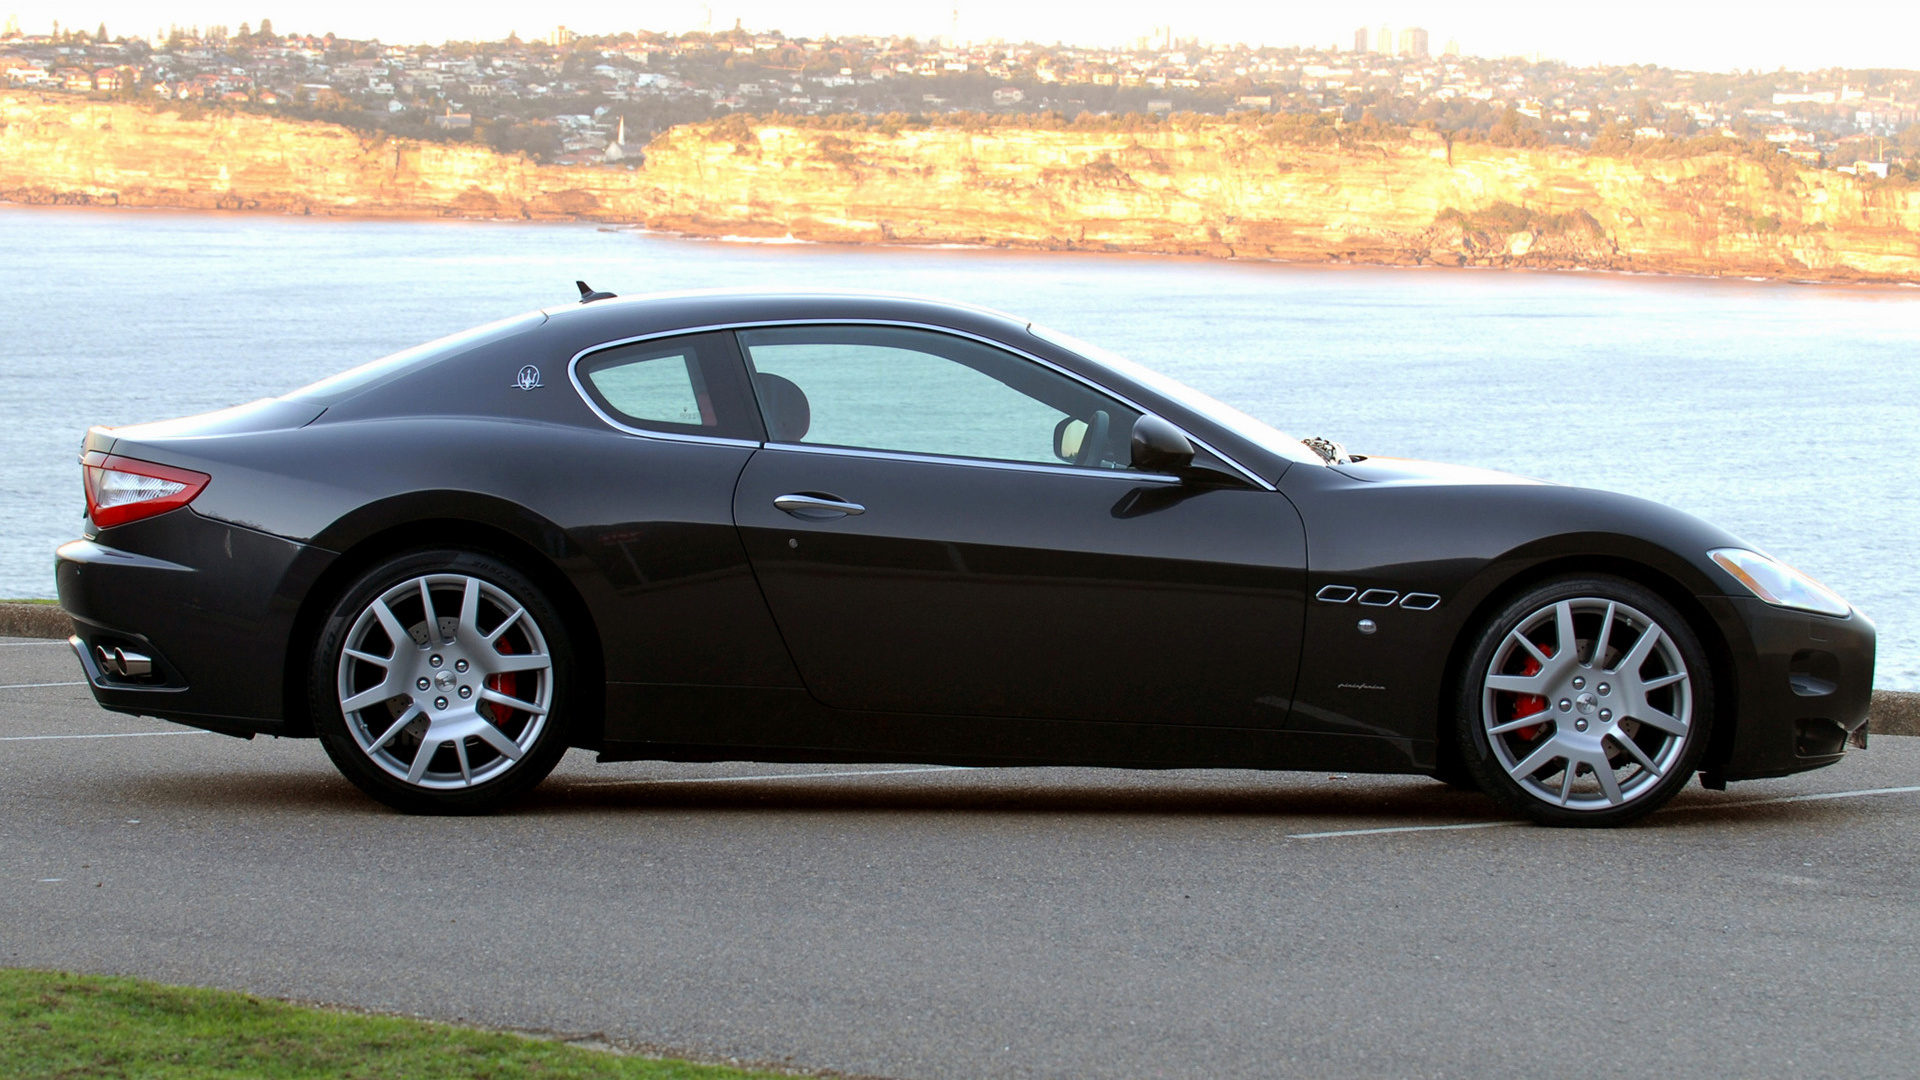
{"points": [[536, 557], [1523, 575]]}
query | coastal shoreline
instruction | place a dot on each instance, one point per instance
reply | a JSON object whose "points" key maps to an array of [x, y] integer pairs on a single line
{"points": [[351, 215], [1210, 189]]}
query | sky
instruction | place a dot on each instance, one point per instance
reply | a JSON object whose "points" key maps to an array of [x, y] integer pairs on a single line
{"points": [[1694, 34]]}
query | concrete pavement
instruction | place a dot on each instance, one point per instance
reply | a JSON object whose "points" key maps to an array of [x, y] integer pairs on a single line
{"points": [[903, 921]]}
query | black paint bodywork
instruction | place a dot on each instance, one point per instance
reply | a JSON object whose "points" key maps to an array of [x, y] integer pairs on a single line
{"points": [[979, 614]]}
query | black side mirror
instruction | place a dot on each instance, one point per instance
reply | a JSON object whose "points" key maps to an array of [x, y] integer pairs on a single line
{"points": [[1159, 446]]}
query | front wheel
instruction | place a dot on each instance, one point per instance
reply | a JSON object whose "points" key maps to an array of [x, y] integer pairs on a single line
{"points": [[1586, 701], [440, 683]]}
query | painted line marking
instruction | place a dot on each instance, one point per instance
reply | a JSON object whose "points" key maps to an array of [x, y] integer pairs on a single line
{"points": [[1401, 829], [1815, 797], [1818, 796], [35, 685], [774, 776], [115, 735], [28, 644]]}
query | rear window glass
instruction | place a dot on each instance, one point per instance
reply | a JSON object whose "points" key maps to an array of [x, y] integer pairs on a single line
{"points": [[665, 388], [337, 388]]}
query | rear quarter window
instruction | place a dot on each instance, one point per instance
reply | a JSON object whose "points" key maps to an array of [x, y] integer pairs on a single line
{"points": [[689, 385]]}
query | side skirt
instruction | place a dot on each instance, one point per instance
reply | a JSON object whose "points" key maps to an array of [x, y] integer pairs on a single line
{"points": [[648, 722]]}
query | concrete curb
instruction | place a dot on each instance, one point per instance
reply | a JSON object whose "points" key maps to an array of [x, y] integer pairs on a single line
{"points": [[1895, 712], [34, 620]]}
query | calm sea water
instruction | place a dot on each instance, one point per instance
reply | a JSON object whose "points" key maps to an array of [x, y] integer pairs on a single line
{"points": [[1785, 413]]}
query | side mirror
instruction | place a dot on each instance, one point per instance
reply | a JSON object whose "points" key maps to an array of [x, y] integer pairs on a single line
{"points": [[1159, 446]]}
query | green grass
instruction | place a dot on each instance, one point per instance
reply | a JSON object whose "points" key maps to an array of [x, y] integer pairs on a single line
{"points": [[29, 601], [60, 1026]]}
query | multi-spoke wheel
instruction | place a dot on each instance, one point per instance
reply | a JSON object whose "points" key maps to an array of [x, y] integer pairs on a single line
{"points": [[439, 683], [1586, 702]]}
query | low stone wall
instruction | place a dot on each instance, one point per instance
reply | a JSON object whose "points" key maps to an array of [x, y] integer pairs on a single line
{"points": [[1895, 713], [34, 620]]}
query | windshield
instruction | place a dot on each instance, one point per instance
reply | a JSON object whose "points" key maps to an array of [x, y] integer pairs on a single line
{"points": [[1254, 431], [337, 388]]}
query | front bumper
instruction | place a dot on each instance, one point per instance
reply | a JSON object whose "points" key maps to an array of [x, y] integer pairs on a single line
{"points": [[1802, 688], [213, 605]]}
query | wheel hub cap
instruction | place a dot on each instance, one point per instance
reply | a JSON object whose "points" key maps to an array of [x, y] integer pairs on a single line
{"points": [[1578, 752], [445, 681]]}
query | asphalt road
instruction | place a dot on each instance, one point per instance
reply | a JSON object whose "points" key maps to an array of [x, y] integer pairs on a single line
{"points": [[914, 922]]}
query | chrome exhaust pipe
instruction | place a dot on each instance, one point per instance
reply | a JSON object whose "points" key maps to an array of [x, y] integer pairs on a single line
{"points": [[123, 663]]}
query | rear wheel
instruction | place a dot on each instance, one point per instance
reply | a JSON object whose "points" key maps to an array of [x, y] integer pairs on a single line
{"points": [[440, 683], [1586, 701]]}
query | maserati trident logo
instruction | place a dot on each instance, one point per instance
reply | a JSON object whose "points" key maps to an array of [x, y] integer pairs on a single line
{"points": [[528, 379]]}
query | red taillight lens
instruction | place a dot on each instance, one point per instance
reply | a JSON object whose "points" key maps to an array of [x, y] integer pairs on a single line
{"points": [[121, 489]]}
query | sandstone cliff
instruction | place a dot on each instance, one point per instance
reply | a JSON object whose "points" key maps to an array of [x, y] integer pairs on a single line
{"points": [[1206, 187]]}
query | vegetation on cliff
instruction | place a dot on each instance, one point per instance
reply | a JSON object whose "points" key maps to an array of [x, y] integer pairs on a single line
{"points": [[1290, 187]]}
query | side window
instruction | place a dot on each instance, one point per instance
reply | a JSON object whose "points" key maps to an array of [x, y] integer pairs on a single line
{"points": [[666, 389], [923, 392], [691, 385]]}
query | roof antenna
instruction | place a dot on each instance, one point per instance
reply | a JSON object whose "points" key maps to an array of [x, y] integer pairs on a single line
{"points": [[588, 295]]}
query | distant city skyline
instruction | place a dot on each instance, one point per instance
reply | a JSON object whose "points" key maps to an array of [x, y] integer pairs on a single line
{"points": [[1716, 36]]}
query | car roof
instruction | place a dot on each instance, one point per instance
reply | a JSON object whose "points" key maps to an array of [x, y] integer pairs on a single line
{"points": [[694, 308]]}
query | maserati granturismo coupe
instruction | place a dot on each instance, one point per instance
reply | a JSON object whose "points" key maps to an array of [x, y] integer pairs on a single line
{"points": [[836, 527]]}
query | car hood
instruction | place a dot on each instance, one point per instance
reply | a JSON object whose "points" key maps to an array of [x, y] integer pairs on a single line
{"points": [[1390, 470]]}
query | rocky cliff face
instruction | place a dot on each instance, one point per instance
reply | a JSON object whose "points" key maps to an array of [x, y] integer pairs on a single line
{"points": [[1212, 188]]}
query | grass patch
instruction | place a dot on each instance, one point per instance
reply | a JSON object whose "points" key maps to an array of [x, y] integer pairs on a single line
{"points": [[30, 600], [61, 1026]]}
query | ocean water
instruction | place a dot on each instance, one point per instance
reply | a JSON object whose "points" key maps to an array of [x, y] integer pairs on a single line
{"points": [[1785, 413]]}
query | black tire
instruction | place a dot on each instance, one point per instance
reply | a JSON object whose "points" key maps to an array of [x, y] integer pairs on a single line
{"points": [[1645, 721], [443, 683], [1456, 776]]}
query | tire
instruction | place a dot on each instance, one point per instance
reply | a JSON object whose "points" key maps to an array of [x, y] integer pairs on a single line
{"points": [[1610, 741], [456, 714], [1456, 776]]}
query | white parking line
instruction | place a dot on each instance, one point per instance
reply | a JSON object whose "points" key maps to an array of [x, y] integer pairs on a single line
{"points": [[771, 776], [1400, 829], [32, 685], [1815, 797], [27, 644], [115, 735], [1818, 796]]}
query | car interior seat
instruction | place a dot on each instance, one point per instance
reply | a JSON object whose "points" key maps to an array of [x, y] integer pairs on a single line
{"points": [[785, 407]]}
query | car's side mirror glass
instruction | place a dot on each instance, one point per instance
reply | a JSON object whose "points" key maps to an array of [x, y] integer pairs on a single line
{"points": [[1069, 437], [1159, 446]]}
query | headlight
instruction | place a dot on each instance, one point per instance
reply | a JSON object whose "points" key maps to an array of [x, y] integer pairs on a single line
{"points": [[1777, 583]]}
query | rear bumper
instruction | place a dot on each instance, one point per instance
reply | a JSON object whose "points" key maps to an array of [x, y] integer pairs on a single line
{"points": [[1802, 689], [213, 605]]}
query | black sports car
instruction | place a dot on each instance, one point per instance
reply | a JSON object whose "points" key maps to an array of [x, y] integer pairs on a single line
{"points": [[848, 528]]}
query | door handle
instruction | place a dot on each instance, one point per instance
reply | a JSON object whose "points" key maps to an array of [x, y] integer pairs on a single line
{"points": [[817, 507]]}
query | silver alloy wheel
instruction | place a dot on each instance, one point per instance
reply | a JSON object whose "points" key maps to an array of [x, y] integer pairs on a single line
{"points": [[445, 681], [1587, 704]]}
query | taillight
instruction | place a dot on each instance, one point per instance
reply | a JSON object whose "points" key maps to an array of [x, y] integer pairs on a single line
{"points": [[122, 489]]}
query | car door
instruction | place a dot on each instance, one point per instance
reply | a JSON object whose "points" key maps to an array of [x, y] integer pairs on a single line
{"points": [[942, 526]]}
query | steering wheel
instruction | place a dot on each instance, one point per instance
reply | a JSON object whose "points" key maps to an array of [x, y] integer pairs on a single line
{"points": [[1094, 440]]}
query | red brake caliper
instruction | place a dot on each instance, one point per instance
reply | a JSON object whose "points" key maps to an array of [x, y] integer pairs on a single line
{"points": [[1525, 705], [509, 684]]}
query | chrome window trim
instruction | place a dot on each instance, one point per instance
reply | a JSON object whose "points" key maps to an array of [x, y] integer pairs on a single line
{"points": [[573, 376], [990, 463]]}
